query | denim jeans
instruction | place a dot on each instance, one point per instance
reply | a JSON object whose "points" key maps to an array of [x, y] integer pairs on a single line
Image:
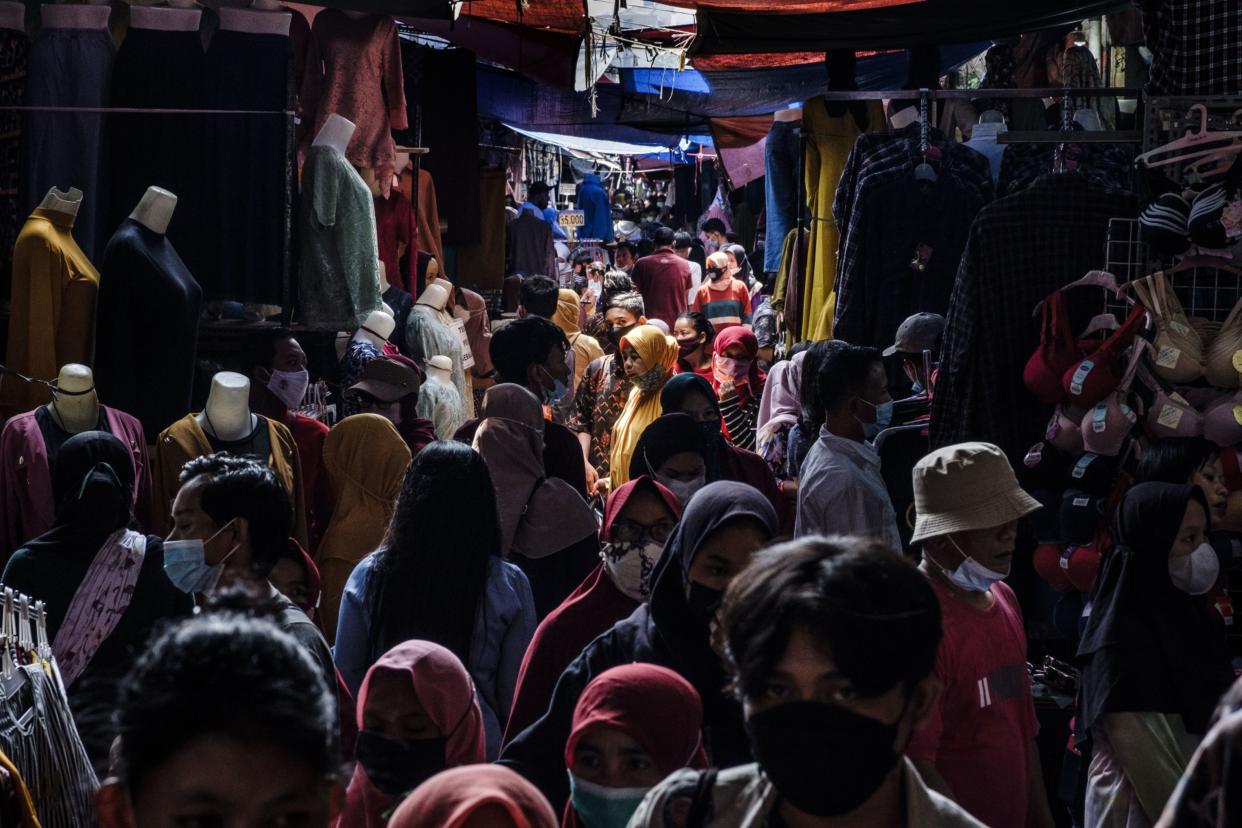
{"points": [[782, 168]]}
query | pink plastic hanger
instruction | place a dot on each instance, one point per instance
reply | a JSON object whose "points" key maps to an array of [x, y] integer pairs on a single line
{"points": [[1194, 144]]}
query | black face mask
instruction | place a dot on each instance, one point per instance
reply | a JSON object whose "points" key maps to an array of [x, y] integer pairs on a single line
{"points": [[711, 432], [397, 768], [824, 759], [618, 334], [703, 602]]}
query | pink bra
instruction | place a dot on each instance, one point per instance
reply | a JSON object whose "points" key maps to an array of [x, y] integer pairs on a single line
{"points": [[1064, 430], [1108, 423], [1172, 417], [1222, 424]]}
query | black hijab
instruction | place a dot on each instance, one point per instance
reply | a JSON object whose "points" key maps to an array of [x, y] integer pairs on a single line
{"points": [[1148, 646], [92, 486], [673, 396], [667, 435]]}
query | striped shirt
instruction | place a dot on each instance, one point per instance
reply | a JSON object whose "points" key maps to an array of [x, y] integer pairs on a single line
{"points": [[725, 307]]}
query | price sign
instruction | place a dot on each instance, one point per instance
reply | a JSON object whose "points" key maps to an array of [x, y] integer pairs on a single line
{"points": [[572, 218]]}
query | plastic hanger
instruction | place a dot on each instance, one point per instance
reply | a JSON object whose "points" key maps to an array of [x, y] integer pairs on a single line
{"points": [[1093, 278], [1196, 143], [1203, 260], [1101, 323]]}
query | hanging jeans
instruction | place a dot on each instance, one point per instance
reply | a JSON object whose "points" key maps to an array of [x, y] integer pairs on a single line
{"points": [[782, 165]]}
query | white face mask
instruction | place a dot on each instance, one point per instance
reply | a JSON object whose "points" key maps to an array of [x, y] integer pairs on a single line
{"points": [[1195, 573], [683, 489], [630, 566], [289, 387], [971, 575]]}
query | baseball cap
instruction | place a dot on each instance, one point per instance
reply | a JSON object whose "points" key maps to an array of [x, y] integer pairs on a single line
{"points": [[387, 380], [538, 188], [917, 334]]}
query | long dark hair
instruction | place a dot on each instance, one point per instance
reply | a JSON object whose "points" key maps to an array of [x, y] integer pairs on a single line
{"points": [[431, 571]]}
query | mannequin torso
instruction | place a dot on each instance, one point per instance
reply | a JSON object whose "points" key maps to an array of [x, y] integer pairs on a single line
{"points": [[172, 18], [255, 20], [75, 405], [75, 16], [227, 414], [62, 201], [440, 370], [12, 16], [155, 210], [336, 133]]}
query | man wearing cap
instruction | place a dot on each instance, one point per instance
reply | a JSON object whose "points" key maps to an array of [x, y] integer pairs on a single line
{"points": [[663, 279], [389, 387], [539, 201], [978, 744], [920, 332]]}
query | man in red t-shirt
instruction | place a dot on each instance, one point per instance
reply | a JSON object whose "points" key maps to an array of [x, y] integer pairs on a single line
{"points": [[663, 278], [978, 744]]}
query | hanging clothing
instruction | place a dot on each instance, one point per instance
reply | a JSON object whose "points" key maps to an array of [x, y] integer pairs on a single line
{"points": [[1195, 46], [659, 352], [23, 808], [426, 209], [185, 439], [365, 459], [586, 348], [14, 51], [652, 705], [439, 403], [353, 69], [445, 693], [88, 549], [589, 611], [146, 295], [666, 632], [339, 279], [1021, 248], [52, 315], [782, 167], [790, 284], [546, 528], [829, 139], [739, 409], [451, 798], [600, 398], [26, 464], [529, 248], [478, 329], [395, 225], [309, 434], [71, 59], [428, 334], [593, 202], [484, 261]]}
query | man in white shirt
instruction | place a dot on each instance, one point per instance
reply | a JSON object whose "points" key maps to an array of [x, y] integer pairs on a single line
{"points": [[683, 243], [841, 491]]}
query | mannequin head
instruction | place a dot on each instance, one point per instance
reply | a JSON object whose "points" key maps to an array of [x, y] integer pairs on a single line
{"points": [[227, 413], [435, 295], [155, 209], [62, 201], [75, 403], [335, 133], [440, 369], [377, 329]]}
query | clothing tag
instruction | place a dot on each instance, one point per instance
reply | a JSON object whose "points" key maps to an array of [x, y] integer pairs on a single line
{"points": [[1176, 397], [1099, 416], [1066, 554], [1080, 376], [1237, 414], [1081, 502], [1170, 416], [467, 356], [1034, 456], [1179, 328], [1168, 357], [1080, 468], [1237, 361]]}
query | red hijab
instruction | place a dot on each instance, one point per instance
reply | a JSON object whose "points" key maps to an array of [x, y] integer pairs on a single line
{"points": [[652, 705], [448, 799], [751, 385], [590, 610], [446, 692]]}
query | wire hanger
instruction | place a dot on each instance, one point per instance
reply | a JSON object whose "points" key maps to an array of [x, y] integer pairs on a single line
{"points": [[924, 172], [1067, 129]]}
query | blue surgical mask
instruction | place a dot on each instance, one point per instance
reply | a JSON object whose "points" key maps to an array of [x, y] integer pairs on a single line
{"points": [[971, 575], [185, 564], [602, 807], [552, 396], [883, 419]]}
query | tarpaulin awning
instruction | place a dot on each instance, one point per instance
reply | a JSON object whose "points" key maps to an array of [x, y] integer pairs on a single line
{"points": [[925, 23], [545, 55], [788, 6], [592, 145]]}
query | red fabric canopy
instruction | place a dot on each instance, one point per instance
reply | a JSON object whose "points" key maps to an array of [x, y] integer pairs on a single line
{"points": [[563, 15], [786, 6]]}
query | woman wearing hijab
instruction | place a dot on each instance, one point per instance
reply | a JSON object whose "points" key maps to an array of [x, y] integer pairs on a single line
{"points": [[692, 395], [779, 408], [439, 576], [673, 452], [429, 333], [721, 529], [568, 318], [365, 459], [638, 518], [1155, 660], [648, 355], [417, 716], [546, 527], [476, 795], [646, 715], [738, 383], [103, 584]]}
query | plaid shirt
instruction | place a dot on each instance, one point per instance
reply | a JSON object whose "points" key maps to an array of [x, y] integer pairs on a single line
{"points": [[599, 401], [1196, 46], [1021, 248]]}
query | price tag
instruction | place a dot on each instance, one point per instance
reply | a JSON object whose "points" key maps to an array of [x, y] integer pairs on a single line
{"points": [[1170, 416], [1168, 357], [571, 218], [1179, 328], [1237, 361], [1237, 414], [467, 356]]}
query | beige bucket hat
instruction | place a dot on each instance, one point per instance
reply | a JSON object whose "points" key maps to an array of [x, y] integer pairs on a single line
{"points": [[966, 487]]}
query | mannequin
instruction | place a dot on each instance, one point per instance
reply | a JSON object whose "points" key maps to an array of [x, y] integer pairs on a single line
{"points": [[428, 333], [440, 369], [155, 210], [983, 139], [439, 400], [74, 16], [227, 415], [267, 6], [62, 201], [75, 405], [13, 16], [255, 20], [336, 133], [377, 329], [177, 16]]}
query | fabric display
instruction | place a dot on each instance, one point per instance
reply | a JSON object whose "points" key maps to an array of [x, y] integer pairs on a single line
{"points": [[146, 295], [1196, 46], [529, 245], [780, 184], [55, 288], [248, 170], [426, 213], [353, 69], [71, 59], [1022, 164], [484, 262], [14, 53], [395, 225], [37, 735]]}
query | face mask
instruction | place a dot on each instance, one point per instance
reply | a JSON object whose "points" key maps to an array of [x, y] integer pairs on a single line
{"points": [[552, 396], [289, 386], [711, 432], [971, 575], [715, 274], [397, 767], [883, 418], [685, 349], [703, 602], [1195, 573], [684, 489], [630, 566], [651, 380], [619, 334], [737, 369], [185, 564], [802, 744], [602, 807]]}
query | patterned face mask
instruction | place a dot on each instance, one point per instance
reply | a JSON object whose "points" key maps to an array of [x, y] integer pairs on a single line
{"points": [[651, 380]]}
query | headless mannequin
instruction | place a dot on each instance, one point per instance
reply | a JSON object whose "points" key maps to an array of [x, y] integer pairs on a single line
{"points": [[12, 16], [155, 210], [178, 16], [75, 16], [227, 415], [335, 133], [75, 406], [267, 6], [377, 329], [62, 201], [440, 370], [788, 115], [255, 20]]}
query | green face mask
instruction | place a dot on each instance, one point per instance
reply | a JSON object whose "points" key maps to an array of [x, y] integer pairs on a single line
{"points": [[602, 807]]}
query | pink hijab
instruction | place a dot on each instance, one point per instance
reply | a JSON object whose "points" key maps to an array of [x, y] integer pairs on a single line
{"points": [[446, 692], [781, 403], [448, 799]]}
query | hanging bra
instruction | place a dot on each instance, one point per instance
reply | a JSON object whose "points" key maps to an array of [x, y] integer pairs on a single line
{"points": [[1064, 431], [1095, 377], [1107, 425], [1166, 224], [1222, 423], [1045, 466], [1222, 364], [1081, 514], [1172, 416], [1178, 348], [1057, 352], [1094, 474]]}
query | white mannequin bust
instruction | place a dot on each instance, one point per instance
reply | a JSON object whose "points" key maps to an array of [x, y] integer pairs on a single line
{"points": [[440, 369], [155, 209], [62, 201], [377, 329], [267, 6], [227, 414], [13, 15], [256, 21], [75, 16], [335, 133], [387, 308], [75, 406], [177, 16], [1089, 119]]}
